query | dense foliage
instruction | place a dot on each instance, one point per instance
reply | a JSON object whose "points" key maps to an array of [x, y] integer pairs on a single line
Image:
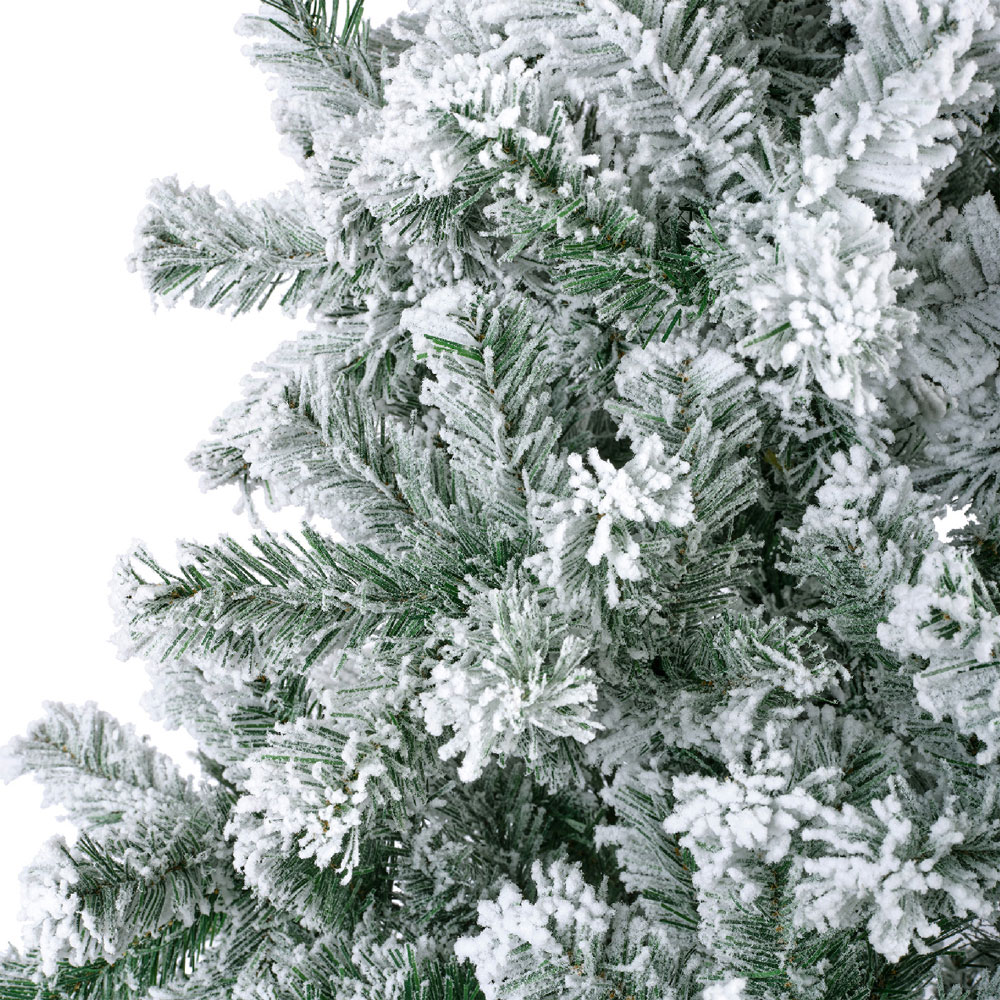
{"points": [[619, 657]]}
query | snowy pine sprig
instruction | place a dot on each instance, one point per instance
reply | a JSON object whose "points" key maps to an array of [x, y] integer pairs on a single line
{"points": [[620, 657]]}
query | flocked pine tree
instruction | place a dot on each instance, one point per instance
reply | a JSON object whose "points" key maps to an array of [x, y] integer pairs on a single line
{"points": [[621, 659]]}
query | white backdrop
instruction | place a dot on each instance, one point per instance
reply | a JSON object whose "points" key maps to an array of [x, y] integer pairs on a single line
{"points": [[103, 398]]}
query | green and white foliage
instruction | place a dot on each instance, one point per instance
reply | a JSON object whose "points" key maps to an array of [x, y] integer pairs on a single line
{"points": [[963, 307], [136, 897], [947, 618], [594, 528], [619, 657], [810, 270], [508, 680], [567, 941], [866, 529], [894, 115]]}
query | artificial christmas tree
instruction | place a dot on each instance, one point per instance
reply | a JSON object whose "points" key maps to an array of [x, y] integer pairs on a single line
{"points": [[619, 658]]}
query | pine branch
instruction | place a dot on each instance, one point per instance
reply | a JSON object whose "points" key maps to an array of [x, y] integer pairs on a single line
{"points": [[492, 385], [697, 404], [595, 244], [342, 795], [190, 243], [307, 379], [332, 971], [487, 832], [101, 772], [852, 543], [651, 862], [155, 961], [301, 434], [287, 603], [326, 66], [319, 25]]}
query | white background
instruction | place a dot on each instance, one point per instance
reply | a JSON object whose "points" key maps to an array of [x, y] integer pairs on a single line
{"points": [[103, 399]]}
